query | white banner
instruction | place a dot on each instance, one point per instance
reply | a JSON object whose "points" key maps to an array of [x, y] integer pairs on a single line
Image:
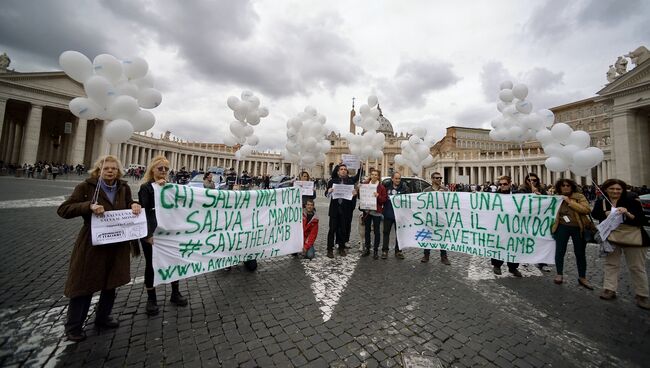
{"points": [[306, 187], [344, 191], [367, 199], [202, 230], [510, 227], [351, 161], [117, 226]]}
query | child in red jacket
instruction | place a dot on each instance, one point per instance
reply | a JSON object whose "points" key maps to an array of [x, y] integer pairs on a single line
{"points": [[309, 228]]}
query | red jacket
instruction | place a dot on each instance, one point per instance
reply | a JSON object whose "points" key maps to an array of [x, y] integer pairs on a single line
{"points": [[310, 230], [381, 198]]}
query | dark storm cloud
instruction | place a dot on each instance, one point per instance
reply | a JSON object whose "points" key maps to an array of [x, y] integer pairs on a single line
{"points": [[42, 30], [218, 41], [556, 19], [414, 79]]}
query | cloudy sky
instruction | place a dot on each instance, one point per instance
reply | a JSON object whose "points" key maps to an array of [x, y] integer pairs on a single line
{"points": [[431, 63]]}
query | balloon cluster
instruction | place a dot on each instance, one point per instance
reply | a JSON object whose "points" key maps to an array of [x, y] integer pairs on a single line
{"points": [[248, 113], [306, 143], [370, 145], [517, 123], [415, 151], [117, 91], [569, 150]]}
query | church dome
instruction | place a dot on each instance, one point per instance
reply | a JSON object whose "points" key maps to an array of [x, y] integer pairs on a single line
{"points": [[384, 124]]}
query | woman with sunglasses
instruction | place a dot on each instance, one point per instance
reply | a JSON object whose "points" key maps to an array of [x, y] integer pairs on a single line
{"points": [[569, 223], [616, 196], [533, 185], [156, 174]]}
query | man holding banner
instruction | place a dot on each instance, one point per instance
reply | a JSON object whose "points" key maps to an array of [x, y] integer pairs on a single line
{"points": [[505, 187], [436, 186]]}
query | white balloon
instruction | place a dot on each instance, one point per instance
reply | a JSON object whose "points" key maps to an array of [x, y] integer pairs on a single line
{"points": [[501, 105], [135, 67], [149, 98], [372, 100], [374, 113], [520, 91], [580, 138], [544, 137], [233, 102], [311, 111], [580, 171], [553, 149], [142, 121], [364, 109], [254, 101], [245, 95], [126, 88], [83, 108], [253, 140], [556, 164], [237, 128], [561, 132], [240, 115], [524, 107], [568, 151], [107, 66], [506, 95], [264, 112], [428, 161], [253, 117], [76, 65], [357, 119], [229, 140], [547, 116], [118, 131], [505, 85], [99, 89], [144, 82], [321, 119], [248, 131], [122, 107], [419, 132]]}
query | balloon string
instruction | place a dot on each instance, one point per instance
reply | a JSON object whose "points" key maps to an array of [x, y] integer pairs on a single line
{"points": [[603, 193]]}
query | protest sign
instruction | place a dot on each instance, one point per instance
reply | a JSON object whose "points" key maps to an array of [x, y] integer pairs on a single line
{"points": [[367, 199], [306, 187], [117, 226], [202, 230], [344, 191], [351, 161], [510, 227]]}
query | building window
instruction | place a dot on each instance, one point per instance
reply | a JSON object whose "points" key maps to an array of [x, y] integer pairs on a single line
{"points": [[332, 143]]}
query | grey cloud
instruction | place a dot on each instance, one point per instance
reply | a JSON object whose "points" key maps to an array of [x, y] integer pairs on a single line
{"points": [[491, 76], [609, 12], [542, 79], [414, 79], [550, 20], [476, 116]]}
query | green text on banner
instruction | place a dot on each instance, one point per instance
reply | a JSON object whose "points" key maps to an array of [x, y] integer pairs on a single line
{"points": [[510, 227], [202, 230]]}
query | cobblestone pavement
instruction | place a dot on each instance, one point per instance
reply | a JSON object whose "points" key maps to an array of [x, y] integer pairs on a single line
{"points": [[343, 312]]}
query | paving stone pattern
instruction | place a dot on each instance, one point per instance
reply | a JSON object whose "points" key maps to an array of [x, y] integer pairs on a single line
{"points": [[390, 313]]}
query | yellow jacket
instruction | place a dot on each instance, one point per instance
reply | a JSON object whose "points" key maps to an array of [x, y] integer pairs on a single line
{"points": [[579, 211]]}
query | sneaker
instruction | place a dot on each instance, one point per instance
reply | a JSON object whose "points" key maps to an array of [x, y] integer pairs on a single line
{"points": [[330, 253], [152, 307], [399, 255], [608, 295], [496, 270], [178, 299], [642, 302], [515, 272], [384, 254], [76, 336], [445, 261]]}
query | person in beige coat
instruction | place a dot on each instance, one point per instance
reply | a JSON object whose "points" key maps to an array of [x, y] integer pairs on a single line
{"points": [[96, 268]]}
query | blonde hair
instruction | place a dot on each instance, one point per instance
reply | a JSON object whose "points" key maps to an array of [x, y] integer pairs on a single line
{"points": [[155, 162], [97, 169]]}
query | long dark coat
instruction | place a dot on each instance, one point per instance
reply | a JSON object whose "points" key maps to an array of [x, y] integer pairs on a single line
{"points": [[95, 268]]}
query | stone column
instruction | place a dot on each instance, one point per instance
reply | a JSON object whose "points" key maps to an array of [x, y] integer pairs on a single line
{"points": [[79, 142], [18, 135], [32, 135], [627, 148], [3, 108]]}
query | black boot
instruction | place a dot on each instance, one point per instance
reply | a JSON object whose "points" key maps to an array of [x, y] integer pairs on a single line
{"points": [[103, 318], [152, 302], [177, 298], [366, 252]]}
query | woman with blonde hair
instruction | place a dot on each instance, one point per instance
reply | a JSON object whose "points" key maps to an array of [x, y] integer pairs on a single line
{"points": [[96, 268], [156, 174]]}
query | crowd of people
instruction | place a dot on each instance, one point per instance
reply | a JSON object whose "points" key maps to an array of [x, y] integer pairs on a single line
{"points": [[104, 268]]}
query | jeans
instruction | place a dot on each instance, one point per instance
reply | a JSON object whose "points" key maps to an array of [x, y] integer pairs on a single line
{"points": [[372, 223], [388, 225], [561, 236]]}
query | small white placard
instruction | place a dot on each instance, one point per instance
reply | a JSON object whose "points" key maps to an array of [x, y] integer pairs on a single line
{"points": [[367, 199], [306, 187], [343, 191], [117, 226], [351, 161]]}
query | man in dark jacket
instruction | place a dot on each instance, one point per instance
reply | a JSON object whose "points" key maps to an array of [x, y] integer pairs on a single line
{"points": [[395, 187], [182, 176], [340, 211]]}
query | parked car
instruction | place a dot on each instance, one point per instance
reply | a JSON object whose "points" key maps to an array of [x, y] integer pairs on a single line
{"points": [[197, 182], [645, 203], [281, 181], [414, 184]]}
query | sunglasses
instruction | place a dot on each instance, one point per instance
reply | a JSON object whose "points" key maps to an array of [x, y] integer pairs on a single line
{"points": [[162, 168], [565, 185], [437, 177], [502, 184]]}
